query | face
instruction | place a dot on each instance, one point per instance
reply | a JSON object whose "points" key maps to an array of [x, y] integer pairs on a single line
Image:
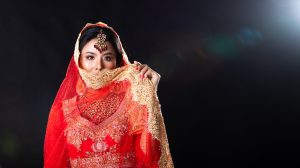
{"points": [[92, 60]]}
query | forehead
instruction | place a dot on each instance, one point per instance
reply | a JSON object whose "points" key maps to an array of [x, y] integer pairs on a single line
{"points": [[89, 46]]}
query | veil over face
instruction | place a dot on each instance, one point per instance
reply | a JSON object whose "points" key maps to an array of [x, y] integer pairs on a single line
{"points": [[109, 119]]}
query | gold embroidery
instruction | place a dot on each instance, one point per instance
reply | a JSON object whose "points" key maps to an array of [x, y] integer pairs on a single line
{"points": [[81, 128], [106, 160], [100, 24], [101, 109], [144, 92], [99, 79], [99, 146], [137, 117]]}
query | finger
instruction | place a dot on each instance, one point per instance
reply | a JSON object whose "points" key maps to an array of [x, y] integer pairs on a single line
{"points": [[140, 67], [136, 63], [148, 74], [155, 78], [144, 70]]}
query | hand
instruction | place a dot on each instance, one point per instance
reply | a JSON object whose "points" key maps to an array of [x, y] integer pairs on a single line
{"points": [[147, 72]]}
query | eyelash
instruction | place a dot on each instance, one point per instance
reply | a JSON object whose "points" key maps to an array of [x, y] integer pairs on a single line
{"points": [[89, 57], [108, 57]]}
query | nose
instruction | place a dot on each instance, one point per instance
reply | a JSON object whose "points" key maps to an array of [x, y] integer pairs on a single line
{"points": [[99, 65]]}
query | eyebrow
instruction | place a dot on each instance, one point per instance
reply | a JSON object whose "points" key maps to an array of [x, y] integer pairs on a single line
{"points": [[104, 53], [88, 52], [108, 52]]}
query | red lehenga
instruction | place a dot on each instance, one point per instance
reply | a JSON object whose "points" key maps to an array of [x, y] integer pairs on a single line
{"points": [[115, 121]]}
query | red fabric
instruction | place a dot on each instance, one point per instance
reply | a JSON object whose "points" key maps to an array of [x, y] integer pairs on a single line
{"points": [[58, 151], [103, 127], [55, 146]]}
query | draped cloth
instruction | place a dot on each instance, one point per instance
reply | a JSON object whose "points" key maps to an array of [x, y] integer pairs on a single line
{"points": [[110, 121]]}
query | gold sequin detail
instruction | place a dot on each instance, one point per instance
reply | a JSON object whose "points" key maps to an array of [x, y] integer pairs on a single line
{"points": [[99, 79], [107, 160], [144, 92], [80, 128], [101, 109]]}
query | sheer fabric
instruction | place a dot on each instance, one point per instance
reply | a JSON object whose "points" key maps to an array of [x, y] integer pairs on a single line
{"points": [[118, 124]]}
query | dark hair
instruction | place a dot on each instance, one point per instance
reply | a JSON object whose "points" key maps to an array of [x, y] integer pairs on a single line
{"points": [[92, 32]]}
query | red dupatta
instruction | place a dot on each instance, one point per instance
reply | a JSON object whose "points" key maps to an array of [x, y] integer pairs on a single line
{"points": [[118, 124]]}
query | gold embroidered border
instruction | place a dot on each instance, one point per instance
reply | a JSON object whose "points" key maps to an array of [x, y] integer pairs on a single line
{"points": [[80, 128], [144, 92]]}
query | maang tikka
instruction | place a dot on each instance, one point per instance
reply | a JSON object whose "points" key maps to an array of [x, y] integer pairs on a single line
{"points": [[101, 45]]}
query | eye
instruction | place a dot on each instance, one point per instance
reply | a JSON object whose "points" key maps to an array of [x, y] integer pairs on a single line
{"points": [[108, 58], [90, 57]]}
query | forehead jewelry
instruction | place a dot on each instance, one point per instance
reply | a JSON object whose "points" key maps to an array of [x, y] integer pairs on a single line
{"points": [[100, 45]]}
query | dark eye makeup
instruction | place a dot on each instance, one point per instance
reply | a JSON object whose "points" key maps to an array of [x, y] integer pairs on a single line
{"points": [[90, 57]]}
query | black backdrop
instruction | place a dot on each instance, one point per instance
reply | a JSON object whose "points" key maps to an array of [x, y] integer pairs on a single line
{"points": [[230, 74]]}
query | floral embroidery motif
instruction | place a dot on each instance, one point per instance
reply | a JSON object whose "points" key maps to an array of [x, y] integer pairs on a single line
{"points": [[99, 146], [105, 136], [94, 140], [96, 122], [99, 79], [107, 160], [144, 114], [101, 109], [144, 92]]}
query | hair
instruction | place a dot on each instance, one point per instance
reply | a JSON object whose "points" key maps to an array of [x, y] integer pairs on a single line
{"points": [[92, 32]]}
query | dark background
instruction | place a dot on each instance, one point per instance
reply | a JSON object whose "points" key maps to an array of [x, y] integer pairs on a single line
{"points": [[230, 74]]}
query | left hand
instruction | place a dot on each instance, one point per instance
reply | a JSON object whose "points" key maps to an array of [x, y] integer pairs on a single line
{"points": [[147, 72]]}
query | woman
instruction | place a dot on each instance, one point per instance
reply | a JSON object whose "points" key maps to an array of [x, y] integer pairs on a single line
{"points": [[106, 112]]}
